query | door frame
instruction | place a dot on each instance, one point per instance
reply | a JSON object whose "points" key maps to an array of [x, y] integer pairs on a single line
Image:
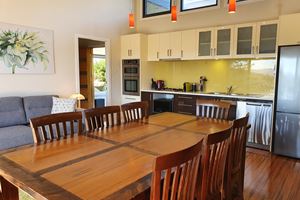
{"points": [[107, 61]]}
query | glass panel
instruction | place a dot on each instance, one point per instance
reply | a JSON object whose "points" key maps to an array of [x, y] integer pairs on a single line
{"points": [[204, 43], [156, 7], [267, 38], [131, 85], [223, 42], [193, 4], [244, 40]]}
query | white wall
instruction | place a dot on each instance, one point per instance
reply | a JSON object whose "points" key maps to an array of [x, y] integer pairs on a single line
{"points": [[246, 12], [98, 18]]}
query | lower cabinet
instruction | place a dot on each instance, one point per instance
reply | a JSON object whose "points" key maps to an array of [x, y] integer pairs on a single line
{"points": [[148, 96], [185, 104]]}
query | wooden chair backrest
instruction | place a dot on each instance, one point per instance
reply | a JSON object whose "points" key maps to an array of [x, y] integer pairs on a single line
{"points": [[215, 155], [135, 111], [100, 118], [55, 126], [237, 154], [213, 109], [178, 172]]}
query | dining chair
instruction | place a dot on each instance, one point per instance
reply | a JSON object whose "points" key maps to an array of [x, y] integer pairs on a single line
{"points": [[213, 109], [135, 111], [234, 178], [100, 118], [214, 162], [56, 126], [174, 175]]}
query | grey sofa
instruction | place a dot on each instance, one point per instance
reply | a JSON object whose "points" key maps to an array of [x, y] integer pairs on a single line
{"points": [[15, 113]]}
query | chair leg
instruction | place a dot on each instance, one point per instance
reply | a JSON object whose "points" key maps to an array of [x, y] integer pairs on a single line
{"points": [[9, 191]]}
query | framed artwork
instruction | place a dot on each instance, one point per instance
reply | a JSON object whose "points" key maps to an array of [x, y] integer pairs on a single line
{"points": [[25, 50]]}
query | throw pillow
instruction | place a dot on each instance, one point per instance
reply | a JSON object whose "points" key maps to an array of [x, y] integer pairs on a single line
{"points": [[61, 105]]}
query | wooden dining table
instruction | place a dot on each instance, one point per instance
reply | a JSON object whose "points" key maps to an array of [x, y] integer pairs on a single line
{"points": [[115, 163]]}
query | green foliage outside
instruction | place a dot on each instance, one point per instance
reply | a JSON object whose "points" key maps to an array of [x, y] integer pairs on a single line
{"points": [[100, 75]]}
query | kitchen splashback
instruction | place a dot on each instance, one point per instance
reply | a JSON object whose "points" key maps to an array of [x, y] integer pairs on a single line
{"points": [[247, 76]]}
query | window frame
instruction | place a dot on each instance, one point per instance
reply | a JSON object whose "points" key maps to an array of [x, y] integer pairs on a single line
{"points": [[197, 8], [154, 14]]}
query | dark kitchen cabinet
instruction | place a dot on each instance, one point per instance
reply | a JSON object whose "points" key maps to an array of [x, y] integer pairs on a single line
{"points": [[148, 96], [185, 104]]}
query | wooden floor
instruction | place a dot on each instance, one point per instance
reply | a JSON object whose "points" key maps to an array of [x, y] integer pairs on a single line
{"points": [[271, 177]]}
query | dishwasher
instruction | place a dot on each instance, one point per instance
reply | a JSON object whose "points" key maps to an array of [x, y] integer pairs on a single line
{"points": [[162, 103], [260, 118]]}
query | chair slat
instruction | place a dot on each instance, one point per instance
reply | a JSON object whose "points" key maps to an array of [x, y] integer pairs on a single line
{"points": [[213, 109]]}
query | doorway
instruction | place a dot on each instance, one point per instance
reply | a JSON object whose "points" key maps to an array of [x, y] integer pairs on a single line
{"points": [[92, 75]]}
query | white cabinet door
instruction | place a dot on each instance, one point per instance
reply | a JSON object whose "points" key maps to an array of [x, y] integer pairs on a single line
{"points": [[244, 40], [205, 43], [175, 45], [125, 47], [164, 45], [266, 39], [189, 44], [289, 30], [223, 46], [131, 46], [153, 47]]}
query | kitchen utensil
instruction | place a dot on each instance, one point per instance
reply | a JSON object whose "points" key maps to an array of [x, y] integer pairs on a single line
{"points": [[194, 87], [187, 87], [153, 85], [203, 80], [160, 84]]}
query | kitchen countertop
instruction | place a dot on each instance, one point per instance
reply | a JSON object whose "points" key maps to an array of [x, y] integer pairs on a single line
{"points": [[255, 97]]}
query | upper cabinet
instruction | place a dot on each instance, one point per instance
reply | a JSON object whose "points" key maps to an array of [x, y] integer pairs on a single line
{"points": [[223, 46], [257, 40], [205, 43], [188, 45], [170, 45], [289, 30], [153, 47], [131, 46]]}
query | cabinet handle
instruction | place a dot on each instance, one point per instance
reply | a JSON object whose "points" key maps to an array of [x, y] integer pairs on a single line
{"points": [[215, 51], [257, 50], [186, 105], [170, 52], [211, 51], [128, 52], [188, 113], [253, 50], [181, 53], [184, 97], [157, 54]]}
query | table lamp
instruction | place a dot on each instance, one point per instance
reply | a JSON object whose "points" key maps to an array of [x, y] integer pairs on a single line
{"points": [[78, 97]]}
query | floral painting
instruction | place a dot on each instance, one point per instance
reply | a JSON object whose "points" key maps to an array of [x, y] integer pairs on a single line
{"points": [[25, 50]]}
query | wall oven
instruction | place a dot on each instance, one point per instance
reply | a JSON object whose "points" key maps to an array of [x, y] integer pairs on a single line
{"points": [[131, 77]]}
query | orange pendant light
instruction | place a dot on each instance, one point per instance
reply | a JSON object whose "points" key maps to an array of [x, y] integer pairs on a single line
{"points": [[232, 6], [174, 12], [131, 20]]}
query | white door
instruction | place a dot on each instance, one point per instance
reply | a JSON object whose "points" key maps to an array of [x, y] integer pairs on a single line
{"points": [[164, 45], [175, 45], [244, 40], [267, 39], [223, 42], [289, 32], [135, 46], [205, 43], [189, 44], [125, 47], [153, 47]]}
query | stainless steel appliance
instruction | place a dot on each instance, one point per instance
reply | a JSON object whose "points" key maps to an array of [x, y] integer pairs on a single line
{"points": [[286, 127], [131, 77]]}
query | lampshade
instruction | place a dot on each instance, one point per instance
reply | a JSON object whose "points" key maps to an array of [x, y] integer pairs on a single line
{"points": [[232, 6], [77, 96], [131, 20], [174, 13]]}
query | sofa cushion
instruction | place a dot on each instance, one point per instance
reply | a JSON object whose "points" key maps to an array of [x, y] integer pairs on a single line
{"points": [[36, 106], [11, 111], [14, 136]]}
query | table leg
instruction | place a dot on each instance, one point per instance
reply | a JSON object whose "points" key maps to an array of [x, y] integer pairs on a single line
{"points": [[9, 191]]}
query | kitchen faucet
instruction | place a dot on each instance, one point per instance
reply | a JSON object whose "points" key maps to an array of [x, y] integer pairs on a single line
{"points": [[230, 90]]}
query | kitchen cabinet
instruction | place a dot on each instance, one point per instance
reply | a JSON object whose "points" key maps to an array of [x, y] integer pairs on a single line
{"points": [[289, 32], [223, 46], [244, 40], [153, 47], [266, 39], [189, 44], [185, 104], [205, 43], [148, 96], [170, 45], [256, 40], [215, 42], [131, 46]]}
